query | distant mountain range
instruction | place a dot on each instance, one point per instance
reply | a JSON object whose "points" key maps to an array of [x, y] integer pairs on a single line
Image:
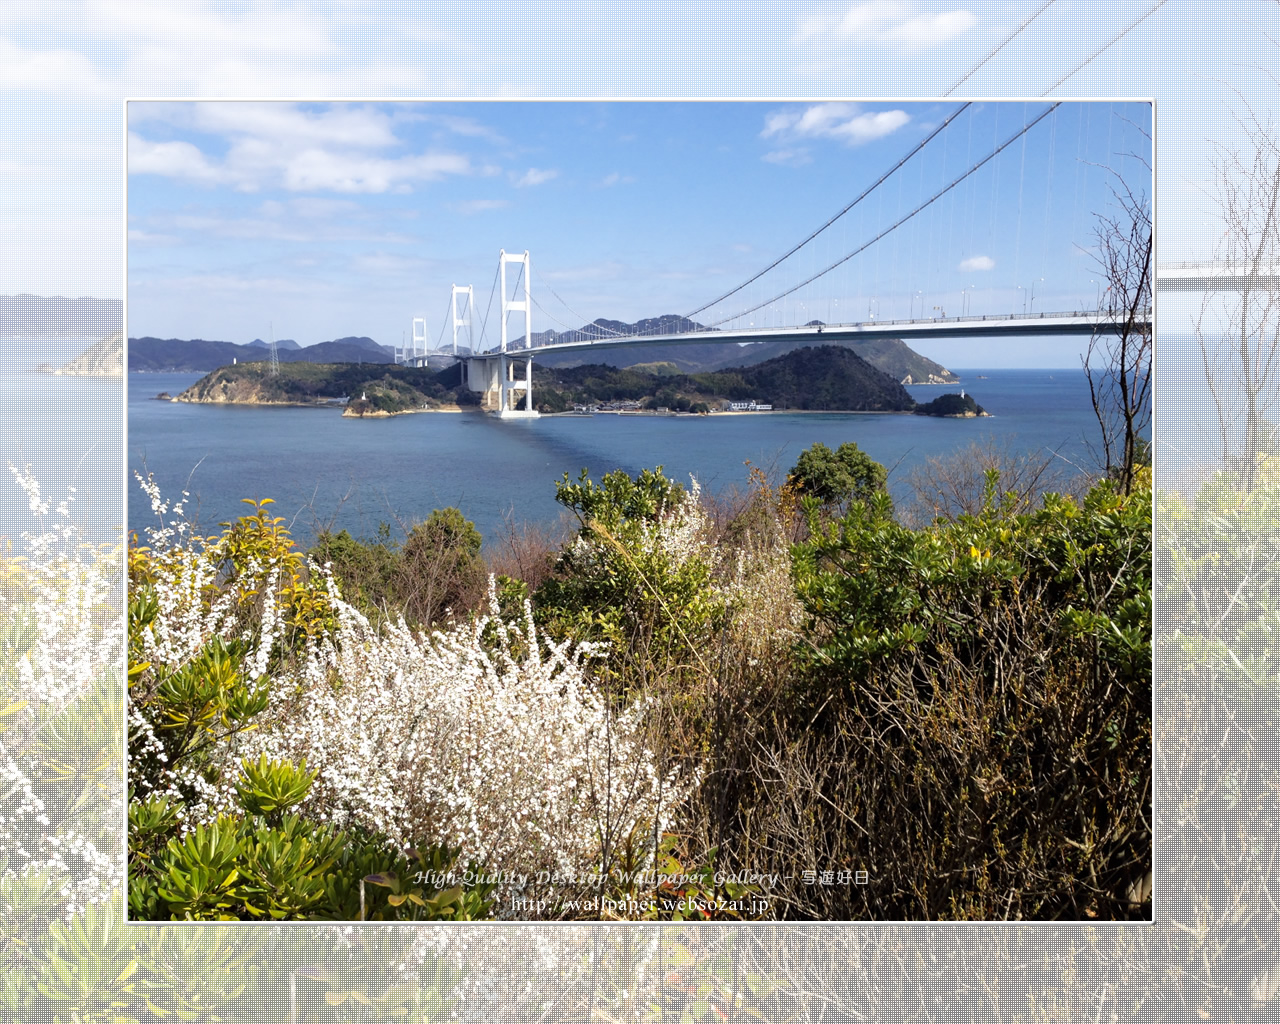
{"points": [[282, 343], [891, 355], [175, 355], [44, 317]]}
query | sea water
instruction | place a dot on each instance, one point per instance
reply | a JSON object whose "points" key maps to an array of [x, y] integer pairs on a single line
{"points": [[324, 471], [69, 431]]}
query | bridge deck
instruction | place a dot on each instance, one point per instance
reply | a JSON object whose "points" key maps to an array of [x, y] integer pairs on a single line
{"points": [[938, 327]]}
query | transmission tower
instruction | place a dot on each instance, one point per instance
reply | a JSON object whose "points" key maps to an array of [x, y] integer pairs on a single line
{"points": [[275, 360]]}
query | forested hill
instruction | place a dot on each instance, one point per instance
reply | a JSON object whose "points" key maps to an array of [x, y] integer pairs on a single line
{"points": [[892, 355], [823, 378], [364, 388], [826, 378]]}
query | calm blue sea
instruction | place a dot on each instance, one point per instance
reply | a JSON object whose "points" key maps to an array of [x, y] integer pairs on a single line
{"points": [[70, 430], [326, 471]]}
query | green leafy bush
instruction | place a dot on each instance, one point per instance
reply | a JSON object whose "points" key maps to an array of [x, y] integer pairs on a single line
{"points": [[437, 568], [365, 570], [639, 576], [291, 870], [269, 787], [840, 478]]}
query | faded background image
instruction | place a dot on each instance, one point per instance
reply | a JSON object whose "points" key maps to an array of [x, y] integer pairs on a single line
{"points": [[1212, 952]]}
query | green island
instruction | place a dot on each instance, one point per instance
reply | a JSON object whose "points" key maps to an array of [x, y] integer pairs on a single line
{"points": [[825, 378]]}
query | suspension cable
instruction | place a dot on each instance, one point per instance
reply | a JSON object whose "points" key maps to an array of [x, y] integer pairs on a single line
{"points": [[440, 338], [928, 202], [929, 138], [543, 284], [515, 288], [484, 324], [1000, 46], [1106, 46]]}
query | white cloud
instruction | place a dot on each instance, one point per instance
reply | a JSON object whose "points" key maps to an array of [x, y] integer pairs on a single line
{"points": [[305, 219], [533, 176], [845, 122], [481, 205], [930, 29], [47, 70], [615, 178], [338, 149], [605, 270], [320, 169], [885, 23], [355, 126], [170, 160], [977, 263], [140, 237], [384, 263], [224, 284], [788, 157], [208, 47], [464, 126]]}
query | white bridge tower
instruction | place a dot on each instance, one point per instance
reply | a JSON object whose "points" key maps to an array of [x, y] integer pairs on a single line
{"points": [[507, 363], [464, 320]]}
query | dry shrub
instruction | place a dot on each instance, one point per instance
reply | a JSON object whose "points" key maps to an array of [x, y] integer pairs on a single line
{"points": [[527, 551], [949, 486]]}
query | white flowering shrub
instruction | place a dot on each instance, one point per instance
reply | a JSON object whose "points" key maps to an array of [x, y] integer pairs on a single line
{"points": [[60, 787], [482, 736], [475, 736]]}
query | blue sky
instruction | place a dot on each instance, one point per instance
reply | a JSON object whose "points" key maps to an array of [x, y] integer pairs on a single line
{"points": [[319, 220]]}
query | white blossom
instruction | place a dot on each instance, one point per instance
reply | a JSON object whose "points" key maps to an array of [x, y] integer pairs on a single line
{"points": [[481, 735]]}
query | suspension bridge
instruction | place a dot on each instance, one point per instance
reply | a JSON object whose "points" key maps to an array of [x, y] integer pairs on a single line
{"points": [[919, 228]]}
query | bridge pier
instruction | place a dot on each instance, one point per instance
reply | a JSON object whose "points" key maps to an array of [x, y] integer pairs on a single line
{"points": [[494, 377], [510, 399]]}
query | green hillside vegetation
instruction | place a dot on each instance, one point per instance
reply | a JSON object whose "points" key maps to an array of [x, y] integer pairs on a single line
{"points": [[662, 368], [951, 405], [388, 388], [823, 378], [103, 359]]}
